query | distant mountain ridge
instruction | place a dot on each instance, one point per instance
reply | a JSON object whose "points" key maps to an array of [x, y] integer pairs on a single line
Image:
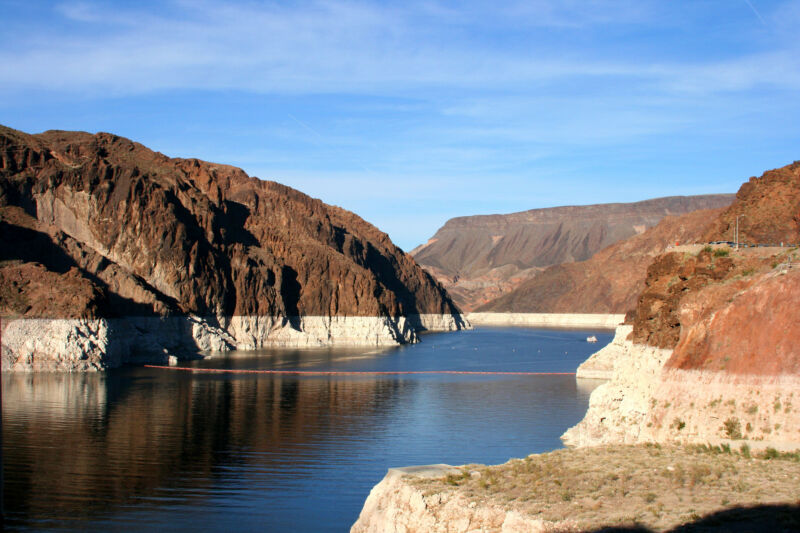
{"points": [[608, 282], [478, 258]]}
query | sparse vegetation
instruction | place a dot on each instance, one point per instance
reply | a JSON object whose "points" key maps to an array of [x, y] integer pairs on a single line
{"points": [[745, 451], [614, 485], [733, 428], [721, 252]]}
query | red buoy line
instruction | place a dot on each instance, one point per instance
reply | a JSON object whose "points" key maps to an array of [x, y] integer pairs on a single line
{"points": [[353, 373]]}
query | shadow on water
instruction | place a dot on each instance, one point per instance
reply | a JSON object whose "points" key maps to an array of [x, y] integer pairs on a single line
{"points": [[148, 449], [80, 445]]}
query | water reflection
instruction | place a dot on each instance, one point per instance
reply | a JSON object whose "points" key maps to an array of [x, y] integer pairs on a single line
{"points": [[153, 449]]}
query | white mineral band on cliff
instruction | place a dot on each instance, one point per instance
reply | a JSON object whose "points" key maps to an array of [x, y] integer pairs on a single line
{"points": [[558, 320], [644, 402], [96, 344]]}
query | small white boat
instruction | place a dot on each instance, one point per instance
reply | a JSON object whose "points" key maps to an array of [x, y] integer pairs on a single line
{"points": [[591, 339]]}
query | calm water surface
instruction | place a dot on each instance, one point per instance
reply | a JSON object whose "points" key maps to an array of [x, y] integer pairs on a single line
{"points": [[157, 450]]}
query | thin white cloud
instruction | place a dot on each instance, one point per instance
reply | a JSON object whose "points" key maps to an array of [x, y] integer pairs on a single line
{"points": [[755, 11], [345, 47]]}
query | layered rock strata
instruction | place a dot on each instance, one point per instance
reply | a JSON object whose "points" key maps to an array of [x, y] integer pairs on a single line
{"points": [[480, 258], [111, 241], [645, 401], [611, 280], [712, 356], [713, 353]]}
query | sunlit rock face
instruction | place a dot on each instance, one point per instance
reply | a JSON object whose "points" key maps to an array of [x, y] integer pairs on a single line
{"points": [[481, 258], [712, 353], [100, 227]]}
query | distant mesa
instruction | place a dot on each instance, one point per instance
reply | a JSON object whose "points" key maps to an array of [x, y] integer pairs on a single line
{"points": [[610, 281], [480, 258], [186, 254]]}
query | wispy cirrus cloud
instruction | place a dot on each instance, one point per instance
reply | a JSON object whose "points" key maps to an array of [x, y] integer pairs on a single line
{"points": [[318, 47], [371, 104]]}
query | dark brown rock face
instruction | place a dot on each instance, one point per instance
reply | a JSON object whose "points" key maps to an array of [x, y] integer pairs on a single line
{"points": [[768, 207], [479, 258], [127, 231], [609, 282]]}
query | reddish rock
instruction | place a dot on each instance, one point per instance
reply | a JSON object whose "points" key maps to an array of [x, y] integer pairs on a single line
{"points": [[151, 235], [768, 207], [609, 282], [749, 327], [479, 258]]}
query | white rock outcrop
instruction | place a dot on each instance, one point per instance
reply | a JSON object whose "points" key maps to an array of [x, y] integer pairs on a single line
{"points": [[644, 402], [601, 364], [76, 345], [395, 505], [553, 320]]}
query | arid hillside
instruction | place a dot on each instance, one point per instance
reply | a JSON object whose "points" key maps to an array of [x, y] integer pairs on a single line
{"points": [[479, 258], [736, 307], [609, 282], [713, 353], [98, 225]]}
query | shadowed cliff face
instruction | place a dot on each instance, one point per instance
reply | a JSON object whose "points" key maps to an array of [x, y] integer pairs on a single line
{"points": [[480, 258], [138, 233]]}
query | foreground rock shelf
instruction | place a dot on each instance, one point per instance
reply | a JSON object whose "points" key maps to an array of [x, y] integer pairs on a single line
{"points": [[652, 486]]}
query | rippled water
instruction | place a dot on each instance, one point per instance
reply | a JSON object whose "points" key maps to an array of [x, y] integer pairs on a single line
{"points": [[149, 449]]}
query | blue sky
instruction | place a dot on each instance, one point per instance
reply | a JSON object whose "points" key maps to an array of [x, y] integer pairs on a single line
{"points": [[410, 113]]}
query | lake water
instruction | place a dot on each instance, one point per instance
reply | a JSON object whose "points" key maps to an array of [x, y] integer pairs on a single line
{"points": [[157, 450]]}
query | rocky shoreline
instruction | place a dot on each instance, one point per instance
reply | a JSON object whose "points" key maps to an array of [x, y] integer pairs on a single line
{"points": [[644, 401], [636, 487], [552, 320], [644, 405], [82, 344]]}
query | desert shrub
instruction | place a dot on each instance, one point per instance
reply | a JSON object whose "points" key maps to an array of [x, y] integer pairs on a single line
{"points": [[720, 252], [745, 451], [733, 428]]}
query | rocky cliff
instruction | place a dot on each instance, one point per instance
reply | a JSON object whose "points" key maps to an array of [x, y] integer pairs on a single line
{"points": [[713, 354], [98, 229], [479, 258], [610, 281]]}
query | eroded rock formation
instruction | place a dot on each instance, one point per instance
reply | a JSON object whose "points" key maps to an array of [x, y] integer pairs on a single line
{"points": [[97, 227], [713, 353]]}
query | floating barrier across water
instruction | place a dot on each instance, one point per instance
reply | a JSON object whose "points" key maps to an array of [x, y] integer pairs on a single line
{"points": [[353, 373]]}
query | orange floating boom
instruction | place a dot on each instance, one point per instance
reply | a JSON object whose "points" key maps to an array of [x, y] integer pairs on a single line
{"points": [[353, 373]]}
